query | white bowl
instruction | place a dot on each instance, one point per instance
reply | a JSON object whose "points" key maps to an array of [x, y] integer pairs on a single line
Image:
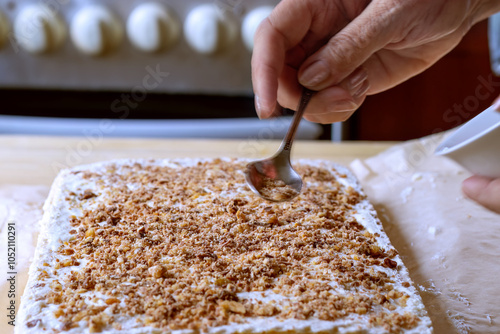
{"points": [[476, 144]]}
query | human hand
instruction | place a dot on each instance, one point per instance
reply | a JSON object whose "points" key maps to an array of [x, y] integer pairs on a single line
{"points": [[348, 49], [483, 190]]}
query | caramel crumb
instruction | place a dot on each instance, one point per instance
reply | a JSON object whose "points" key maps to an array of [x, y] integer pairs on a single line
{"points": [[390, 263], [110, 301], [87, 194]]}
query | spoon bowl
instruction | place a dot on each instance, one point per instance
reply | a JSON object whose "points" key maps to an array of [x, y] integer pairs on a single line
{"points": [[274, 179]]}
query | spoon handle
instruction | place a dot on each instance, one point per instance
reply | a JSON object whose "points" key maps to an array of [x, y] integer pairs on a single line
{"points": [[307, 94]]}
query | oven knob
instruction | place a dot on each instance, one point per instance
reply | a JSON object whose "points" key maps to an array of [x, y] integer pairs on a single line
{"points": [[208, 29], [39, 29], [152, 27], [251, 23], [95, 30], [4, 28]]}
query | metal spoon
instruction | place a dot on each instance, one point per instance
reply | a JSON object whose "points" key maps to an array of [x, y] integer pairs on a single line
{"points": [[274, 179]]}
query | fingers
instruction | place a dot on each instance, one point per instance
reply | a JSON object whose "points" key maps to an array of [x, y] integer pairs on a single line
{"points": [[274, 37], [330, 105], [392, 40], [483, 190], [350, 48], [334, 104]]}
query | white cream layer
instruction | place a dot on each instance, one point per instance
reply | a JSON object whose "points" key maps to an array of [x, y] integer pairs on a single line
{"points": [[56, 228]]}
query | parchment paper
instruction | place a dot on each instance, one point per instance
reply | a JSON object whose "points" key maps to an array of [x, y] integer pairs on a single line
{"points": [[450, 245], [21, 207]]}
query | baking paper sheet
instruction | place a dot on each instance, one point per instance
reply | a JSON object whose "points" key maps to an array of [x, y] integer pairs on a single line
{"points": [[450, 245], [21, 210]]}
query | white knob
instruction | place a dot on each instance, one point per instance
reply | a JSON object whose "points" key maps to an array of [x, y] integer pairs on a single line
{"points": [[209, 30], [4, 28], [95, 30], [39, 29], [251, 23], [152, 27]]}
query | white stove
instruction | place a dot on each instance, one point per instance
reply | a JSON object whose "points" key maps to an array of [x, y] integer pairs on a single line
{"points": [[135, 52], [173, 46]]}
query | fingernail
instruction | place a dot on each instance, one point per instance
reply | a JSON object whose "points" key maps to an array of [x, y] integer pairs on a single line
{"points": [[315, 74], [361, 90], [258, 107], [357, 78], [262, 110]]}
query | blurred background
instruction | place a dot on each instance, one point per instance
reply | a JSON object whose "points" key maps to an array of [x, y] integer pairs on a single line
{"points": [[181, 69]]}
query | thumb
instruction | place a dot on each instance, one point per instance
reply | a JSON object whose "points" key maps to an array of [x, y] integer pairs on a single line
{"points": [[349, 48], [484, 191]]}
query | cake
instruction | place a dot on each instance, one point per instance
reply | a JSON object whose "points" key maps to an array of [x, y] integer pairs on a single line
{"points": [[184, 246]]}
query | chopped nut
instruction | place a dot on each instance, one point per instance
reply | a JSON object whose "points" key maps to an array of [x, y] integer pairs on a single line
{"points": [[95, 324], [273, 220], [233, 306], [110, 301], [68, 251], [141, 230], [265, 310], [90, 232], [361, 310], [67, 263], [157, 271], [240, 215]]}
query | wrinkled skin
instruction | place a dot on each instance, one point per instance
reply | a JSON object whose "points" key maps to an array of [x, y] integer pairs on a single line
{"points": [[381, 43], [348, 49]]}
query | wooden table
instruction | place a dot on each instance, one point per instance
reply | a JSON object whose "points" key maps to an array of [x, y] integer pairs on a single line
{"points": [[36, 160], [30, 162]]}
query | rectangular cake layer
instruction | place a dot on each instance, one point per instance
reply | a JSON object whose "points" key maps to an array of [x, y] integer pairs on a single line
{"points": [[184, 246]]}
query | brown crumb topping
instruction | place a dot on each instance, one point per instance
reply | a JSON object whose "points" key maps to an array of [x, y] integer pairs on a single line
{"points": [[174, 246]]}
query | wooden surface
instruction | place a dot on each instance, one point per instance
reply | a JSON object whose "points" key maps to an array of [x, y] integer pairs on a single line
{"points": [[36, 160], [29, 164]]}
